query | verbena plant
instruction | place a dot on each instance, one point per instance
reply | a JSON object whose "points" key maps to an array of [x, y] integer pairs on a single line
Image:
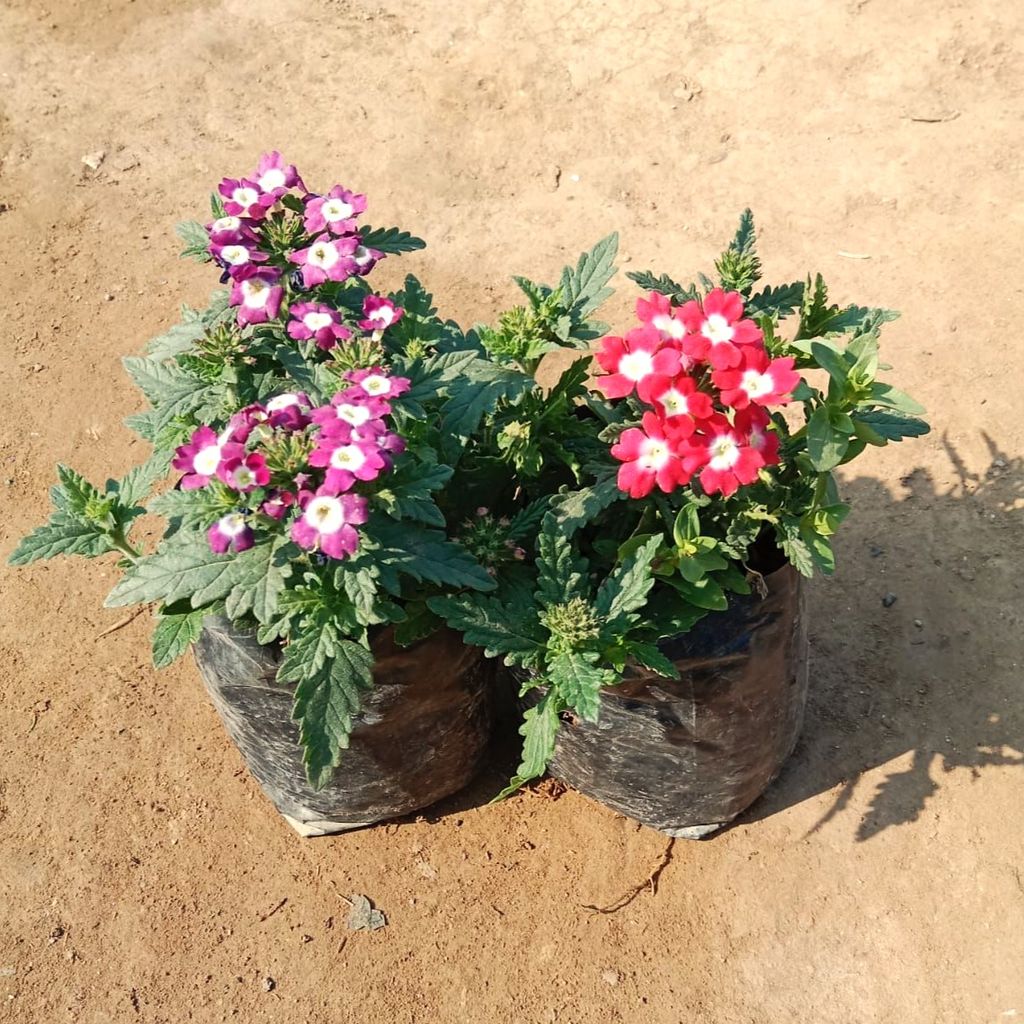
{"points": [[674, 480], [343, 457]]}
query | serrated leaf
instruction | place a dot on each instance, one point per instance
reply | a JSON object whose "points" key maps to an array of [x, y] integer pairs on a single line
{"points": [[174, 633], [263, 579], [307, 652], [663, 284], [778, 302], [175, 340], [794, 547], [575, 508], [426, 554], [136, 484], [78, 492], [561, 575], [171, 391], [825, 445], [326, 704], [478, 393], [62, 535], [539, 730], [390, 240], [626, 589], [196, 239], [651, 658], [360, 587], [509, 631], [583, 288], [892, 426], [579, 681]]}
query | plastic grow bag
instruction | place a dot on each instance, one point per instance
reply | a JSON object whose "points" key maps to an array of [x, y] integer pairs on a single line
{"points": [[420, 735], [687, 756]]}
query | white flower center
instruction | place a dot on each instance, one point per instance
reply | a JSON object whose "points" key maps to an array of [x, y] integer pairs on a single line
{"points": [[361, 256], [654, 454], [669, 326], [243, 477], [317, 321], [245, 196], [375, 384], [717, 329], [206, 460], [724, 452], [675, 402], [636, 365], [255, 293], [357, 415], [274, 178], [232, 524], [226, 224], [756, 384], [348, 456], [236, 255], [280, 402], [323, 255], [381, 316], [336, 209], [325, 514]]}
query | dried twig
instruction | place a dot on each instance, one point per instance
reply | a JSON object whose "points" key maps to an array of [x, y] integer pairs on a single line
{"points": [[949, 115], [121, 623], [270, 913], [854, 255], [627, 897]]}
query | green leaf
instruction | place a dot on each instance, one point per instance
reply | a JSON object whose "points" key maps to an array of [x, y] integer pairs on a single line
{"points": [[170, 390], [390, 240], [583, 288], [626, 589], [828, 359], [426, 554], [573, 509], [825, 446], [174, 633], [777, 302], [706, 593], [419, 623], [360, 587], [263, 577], [892, 398], [431, 376], [663, 284], [409, 492], [196, 239], [892, 426], [175, 341], [478, 393], [327, 699], [308, 651], [62, 535], [527, 521], [560, 574], [507, 630], [795, 547], [77, 491], [539, 729], [739, 267], [651, 658], [579, 681], [135, 485], [419, 320]]}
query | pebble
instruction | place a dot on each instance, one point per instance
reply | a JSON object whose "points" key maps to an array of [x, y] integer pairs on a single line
{"points": [[269, 984], [875, 551], [611, 977], [918, 623], [108, 297], [889, 600], [94, 160]]}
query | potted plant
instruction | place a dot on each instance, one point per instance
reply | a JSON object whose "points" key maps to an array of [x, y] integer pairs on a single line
{"points": [[657, 631], [325, 492]]}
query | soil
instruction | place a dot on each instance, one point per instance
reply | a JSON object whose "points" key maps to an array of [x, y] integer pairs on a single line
{"points": [[144, 877]]}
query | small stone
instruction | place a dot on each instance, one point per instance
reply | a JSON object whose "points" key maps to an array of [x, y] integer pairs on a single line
{"points": [[999, 463], [611, 977], [108, 297], [875, 551], [889, 600], [918, 623], [269, 984], [94, 160]]}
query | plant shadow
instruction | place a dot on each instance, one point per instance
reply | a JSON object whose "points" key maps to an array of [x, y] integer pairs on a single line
{"points": [[916, 645]]}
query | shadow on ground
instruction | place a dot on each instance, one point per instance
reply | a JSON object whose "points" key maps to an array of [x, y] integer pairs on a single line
{"points": [[934, 675]]}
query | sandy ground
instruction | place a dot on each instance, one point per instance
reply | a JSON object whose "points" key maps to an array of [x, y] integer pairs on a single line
{"points": [[882, 878]]}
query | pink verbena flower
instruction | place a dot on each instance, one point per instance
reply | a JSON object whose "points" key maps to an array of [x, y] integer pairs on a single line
{"points": [[657, 310], [235, 255], [245, 198], [231, 231], [758, 379], [230, 533], [377, 384], [346, 461], [365, 258], [754, 424], [680, 403], [245, 474], [335, 212], [352, 406], [379, 313], [731, 461], [326, 259], [637, 361], [318, 321], [257, 294], [274, 176], [651, 456], [200, 459], [289, 411], [245, 421], [328, 522], [277, 504], [717, 330]]}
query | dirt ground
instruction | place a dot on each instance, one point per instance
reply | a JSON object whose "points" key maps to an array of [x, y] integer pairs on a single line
{"points": [[143, 876]]}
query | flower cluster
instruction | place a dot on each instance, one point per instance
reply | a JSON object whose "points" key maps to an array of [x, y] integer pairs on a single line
{"points": [[277, 240], [703, 371], [288, 462]]}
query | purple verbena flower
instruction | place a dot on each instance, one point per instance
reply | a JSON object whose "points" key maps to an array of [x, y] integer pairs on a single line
{"points": [[200, 459], [318, 321], [379, 313], [326, 259], [244, 198], [328, 522], [230, 533], [289, 411], [257, 294], [377, 384], [273, 175], [335, 212], [246, 473], [346, 461]]}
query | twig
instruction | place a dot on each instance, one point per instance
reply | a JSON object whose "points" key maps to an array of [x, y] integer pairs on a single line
{"points": [[854, 255], [274, 910], [652, 880], [121, 623], [949, 115]]}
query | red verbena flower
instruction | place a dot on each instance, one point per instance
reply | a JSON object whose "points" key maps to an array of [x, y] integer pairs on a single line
{"points": [[651, 456], [730, 460], [680, 403], [717, 330], [636, 361], [758, 379]]}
